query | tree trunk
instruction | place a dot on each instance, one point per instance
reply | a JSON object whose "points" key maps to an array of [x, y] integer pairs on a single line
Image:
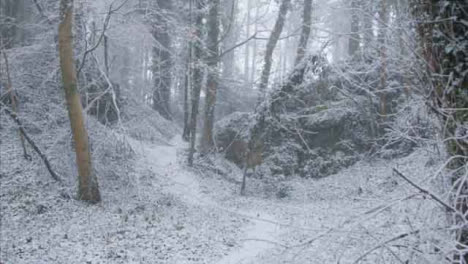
{"points": [[383, 15], [106, 55], [368, 38], [11, 32], [187, 83], [423, 10], [197, 78], [354, 38], [162, 60], [306, 24], [247, 45], [254, 51], [272, 41], [229, 23], [88, 189], [213, 75]]}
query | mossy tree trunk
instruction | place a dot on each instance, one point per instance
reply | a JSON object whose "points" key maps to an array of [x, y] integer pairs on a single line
{"points": [[88, 189], [450, 45], [443, 35]]}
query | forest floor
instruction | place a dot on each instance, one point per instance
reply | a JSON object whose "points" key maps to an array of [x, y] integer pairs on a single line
{"points": [[165, 212]]}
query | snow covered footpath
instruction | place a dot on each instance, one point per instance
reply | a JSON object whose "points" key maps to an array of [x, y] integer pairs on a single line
{"points": [[259, 233], [165, 212]]}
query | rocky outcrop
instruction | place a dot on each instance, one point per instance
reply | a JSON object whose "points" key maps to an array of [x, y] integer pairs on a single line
{"points": [[314, 141]]}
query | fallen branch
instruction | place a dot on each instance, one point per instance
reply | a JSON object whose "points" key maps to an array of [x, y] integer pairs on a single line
{"points": [[424, 191], [383, 244], [14, 103], [33, 145]]}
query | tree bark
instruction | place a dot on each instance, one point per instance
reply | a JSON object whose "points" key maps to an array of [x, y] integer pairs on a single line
{"points": [[88, 189], [272, 41], [197, 78], [306, 24], [213, 77]]}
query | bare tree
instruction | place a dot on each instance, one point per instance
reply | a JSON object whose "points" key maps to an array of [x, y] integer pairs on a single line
{"points": [[88, 185], [231, 31], [272, 41], [383, 16], [254, 49], [367, 28], [305, 34], [187, 83], [247, 46]]}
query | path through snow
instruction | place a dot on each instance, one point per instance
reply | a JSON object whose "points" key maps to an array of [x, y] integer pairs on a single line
{"points": [[259, 236]]}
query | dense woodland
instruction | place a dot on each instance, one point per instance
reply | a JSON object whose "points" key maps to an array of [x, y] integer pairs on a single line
{"points": [[233, 131]]}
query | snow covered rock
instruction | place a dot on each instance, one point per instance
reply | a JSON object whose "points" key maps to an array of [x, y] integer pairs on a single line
{"points": [[313, 142]]}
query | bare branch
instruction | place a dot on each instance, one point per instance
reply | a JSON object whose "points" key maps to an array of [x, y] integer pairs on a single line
{"points": [[101, 37], [238, 45], [424, 191]]}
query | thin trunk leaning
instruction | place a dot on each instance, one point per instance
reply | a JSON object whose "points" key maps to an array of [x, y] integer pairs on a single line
{"points": [[305, 34], [14, 103], [88, 189], [272, 41]]}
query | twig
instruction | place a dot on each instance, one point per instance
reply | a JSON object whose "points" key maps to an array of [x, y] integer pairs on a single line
{"points": [[424, 191], [101, 37], [31, 142], [385, 243], [41, 12], [237, 45]]}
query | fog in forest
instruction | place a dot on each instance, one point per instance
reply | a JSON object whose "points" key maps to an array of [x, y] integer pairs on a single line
{"points": [[234, 131]]}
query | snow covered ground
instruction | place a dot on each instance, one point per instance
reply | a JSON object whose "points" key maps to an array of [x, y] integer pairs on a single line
{"points": [[166, 212]]}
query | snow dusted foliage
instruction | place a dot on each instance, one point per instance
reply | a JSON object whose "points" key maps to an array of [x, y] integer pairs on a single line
{"points": [[355, 163], [140, 219]]}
